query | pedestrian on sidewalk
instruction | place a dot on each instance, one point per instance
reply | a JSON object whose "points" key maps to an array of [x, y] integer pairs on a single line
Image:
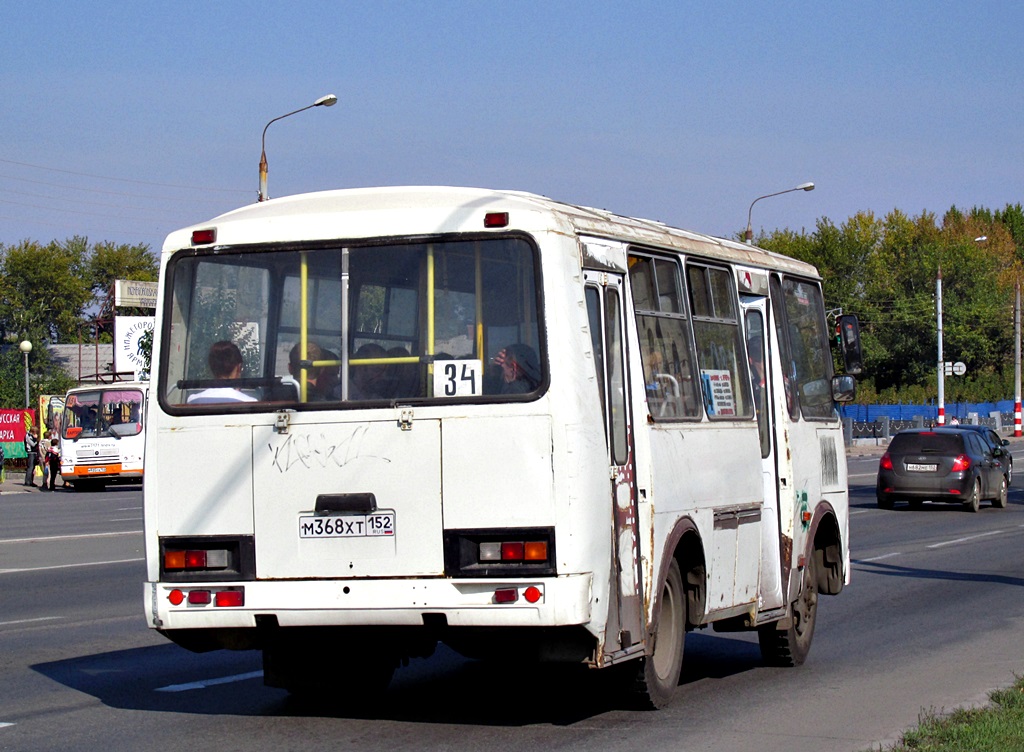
{"points": [[52, 460], [31, 454]]}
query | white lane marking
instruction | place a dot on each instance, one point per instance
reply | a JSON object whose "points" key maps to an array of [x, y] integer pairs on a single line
{"points": [[965, 539], [209, 682], [29, 621], [70, 566], [124, 519], [859, 511], [70, 537], [878, 558], [2, 724], [128, 509]]}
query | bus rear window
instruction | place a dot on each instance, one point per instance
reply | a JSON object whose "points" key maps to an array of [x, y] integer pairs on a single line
{"points": [[404, 322]]}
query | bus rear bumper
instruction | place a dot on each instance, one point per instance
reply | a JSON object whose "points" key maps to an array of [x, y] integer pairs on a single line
{"points": [[542, 602]]}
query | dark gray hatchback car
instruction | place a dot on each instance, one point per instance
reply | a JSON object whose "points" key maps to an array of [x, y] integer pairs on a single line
{"points": [[953, 465]]}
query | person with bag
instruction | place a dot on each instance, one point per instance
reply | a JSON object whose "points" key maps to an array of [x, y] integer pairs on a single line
{"points": [[52, 460], [31, 455]]}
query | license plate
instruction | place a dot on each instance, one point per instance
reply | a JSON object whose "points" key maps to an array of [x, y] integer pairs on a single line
{"points": [[348, 526], [915, 467]]}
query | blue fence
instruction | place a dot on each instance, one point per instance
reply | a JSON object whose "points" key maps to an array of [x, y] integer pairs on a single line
{"points": [[930, 412], [881, 421]]}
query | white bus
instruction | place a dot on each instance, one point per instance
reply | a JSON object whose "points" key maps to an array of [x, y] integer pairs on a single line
{"points": [[103, 434], [520, 428]]}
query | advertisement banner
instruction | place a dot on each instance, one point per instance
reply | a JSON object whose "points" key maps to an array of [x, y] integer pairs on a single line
{"points": [[14, 424], [51, 411], [130, 293], [128, 330]]}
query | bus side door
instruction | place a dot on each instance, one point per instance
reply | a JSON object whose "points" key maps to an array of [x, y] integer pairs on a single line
{"points": [[762, 363], [607, 328]]}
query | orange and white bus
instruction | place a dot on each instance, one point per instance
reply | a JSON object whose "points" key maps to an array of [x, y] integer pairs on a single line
{"points": [[387, 418], [103, 434]]}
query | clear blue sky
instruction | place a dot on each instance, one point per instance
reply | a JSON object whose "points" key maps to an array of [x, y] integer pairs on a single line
{"points": [[123, 121]]}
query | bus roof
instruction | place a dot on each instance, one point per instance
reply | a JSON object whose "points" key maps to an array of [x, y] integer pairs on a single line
{"points": [[415, 210]]}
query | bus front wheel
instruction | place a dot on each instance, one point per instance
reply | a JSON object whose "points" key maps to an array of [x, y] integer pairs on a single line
{"points": [[789, 646]]}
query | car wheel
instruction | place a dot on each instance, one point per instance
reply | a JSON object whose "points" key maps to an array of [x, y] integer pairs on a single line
{"points": [[973, 503], [916, 503], [884, 502], [999, 502]]}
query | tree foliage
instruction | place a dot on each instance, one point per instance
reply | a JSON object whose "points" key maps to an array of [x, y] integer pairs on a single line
{"points": [[56, 293], [886, 271]]}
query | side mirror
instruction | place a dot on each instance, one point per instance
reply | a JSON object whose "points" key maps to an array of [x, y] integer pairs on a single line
{"points": [[844, 388], [849, 344]]}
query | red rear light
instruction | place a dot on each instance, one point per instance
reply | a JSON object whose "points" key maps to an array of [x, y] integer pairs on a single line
{"points": [[961, 463], [195, 559], [230, 598], [512, 551], [886, 462], [496, 219], [506, 595], [199, 597], [532, 594], [204, 237]]}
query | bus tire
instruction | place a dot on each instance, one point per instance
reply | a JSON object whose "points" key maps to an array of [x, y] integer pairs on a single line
{"points": [[789, 646], [657, 676]]}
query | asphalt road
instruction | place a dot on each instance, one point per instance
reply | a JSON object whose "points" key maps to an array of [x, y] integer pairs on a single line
{"points": [[932, 620]]}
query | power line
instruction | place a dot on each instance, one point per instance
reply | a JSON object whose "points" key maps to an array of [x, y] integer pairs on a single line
{"points": [[122, 180]]}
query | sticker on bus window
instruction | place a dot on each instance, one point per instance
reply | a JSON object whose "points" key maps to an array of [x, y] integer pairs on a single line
{"points": [[718, 395], [458, 378]]}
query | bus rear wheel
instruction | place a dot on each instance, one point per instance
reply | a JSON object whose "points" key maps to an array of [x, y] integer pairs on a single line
{"points": [[658, 675], [790, 646]]}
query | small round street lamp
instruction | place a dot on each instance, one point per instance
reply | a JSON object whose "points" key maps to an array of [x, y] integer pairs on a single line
{"points": [[749, 235], [26, 348], [328, 100]]}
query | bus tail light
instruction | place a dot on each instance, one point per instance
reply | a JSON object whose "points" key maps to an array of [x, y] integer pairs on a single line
{"points": [[206, 559], [193, 559], [500, 552], [532, 594], [227, 598]]}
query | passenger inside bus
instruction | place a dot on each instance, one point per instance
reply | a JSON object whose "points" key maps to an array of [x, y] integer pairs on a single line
{"points": [[368, 381], [320, 380], [225, 361], [520, 369]]}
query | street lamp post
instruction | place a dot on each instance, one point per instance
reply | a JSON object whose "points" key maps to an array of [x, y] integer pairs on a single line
{"points": [[328, 100], [26, 348], [750, 232]]}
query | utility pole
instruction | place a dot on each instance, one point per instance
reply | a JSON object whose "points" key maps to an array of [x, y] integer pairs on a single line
{"points": [[1016, 360], [938, 317]]}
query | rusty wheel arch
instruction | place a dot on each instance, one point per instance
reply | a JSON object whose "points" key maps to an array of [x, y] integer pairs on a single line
{"points": [[684, 545], [826, 548]]}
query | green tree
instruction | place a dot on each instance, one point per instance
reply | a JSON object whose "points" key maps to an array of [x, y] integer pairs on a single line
{"points": [[43, 290], [109, 262]]}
